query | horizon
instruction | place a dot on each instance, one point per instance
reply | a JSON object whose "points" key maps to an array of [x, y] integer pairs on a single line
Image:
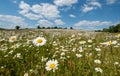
{"points": [[79, 14]]}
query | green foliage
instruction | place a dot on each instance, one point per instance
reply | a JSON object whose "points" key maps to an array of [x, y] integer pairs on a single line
{"points": [[38, 27], [17, 27], [71, 27], [112, 29], [55, 27]]}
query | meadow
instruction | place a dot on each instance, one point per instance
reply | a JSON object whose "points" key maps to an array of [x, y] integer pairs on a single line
{"points": [[59, 53]]}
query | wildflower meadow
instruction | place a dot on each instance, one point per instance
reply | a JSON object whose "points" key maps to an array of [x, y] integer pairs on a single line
{"points": [[53, 52]]}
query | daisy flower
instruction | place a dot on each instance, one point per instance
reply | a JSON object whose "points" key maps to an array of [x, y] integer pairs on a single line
{"points": [[39, 41], [26, 74], [82, 42], [81, 49], [51, 65], [90, 41], [97, 61], [97, 49], [79, 55], [111, 42], [116, 63], [97, 69], [12, 38], [15, 46], [18, 55]]}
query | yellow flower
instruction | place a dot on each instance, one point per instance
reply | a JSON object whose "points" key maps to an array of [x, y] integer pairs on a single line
{"points": [[39, 40], [52, 66], [110, 43]]}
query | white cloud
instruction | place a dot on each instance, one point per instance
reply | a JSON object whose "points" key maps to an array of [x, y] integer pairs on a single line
{"points": [[45, 23], [32, 16], [90, 5], [24, 5], [36, 8], [43, 10], [87, 8], [66, 8], [25, 8], [65, 2], [111, 1], [59, 22], [92, 23], [49, 10], [10, 21], [73, 16], [97, 4]]}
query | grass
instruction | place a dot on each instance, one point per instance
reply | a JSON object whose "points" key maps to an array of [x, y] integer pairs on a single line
{"points": [[23, 57]]}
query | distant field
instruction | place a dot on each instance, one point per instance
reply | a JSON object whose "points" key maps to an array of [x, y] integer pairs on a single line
{"points": [[59, 52]]}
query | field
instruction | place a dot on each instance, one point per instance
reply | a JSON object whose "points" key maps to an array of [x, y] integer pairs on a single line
{"points": [[59, 53]]}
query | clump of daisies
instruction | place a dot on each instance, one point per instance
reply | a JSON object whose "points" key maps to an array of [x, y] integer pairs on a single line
{"points": [[12, 38], [39, 41], [52, 65]]}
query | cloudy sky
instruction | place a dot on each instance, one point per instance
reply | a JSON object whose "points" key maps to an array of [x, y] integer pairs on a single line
{"points": [[80, 14]]}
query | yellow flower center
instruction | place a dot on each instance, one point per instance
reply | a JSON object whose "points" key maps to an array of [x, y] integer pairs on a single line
{"points": [[52, 66], [110, 42], [13, 38], [39, 40], [119, 35]]}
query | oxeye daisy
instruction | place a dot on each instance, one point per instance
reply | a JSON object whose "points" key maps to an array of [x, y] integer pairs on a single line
{"points": [[97, 69], [112, 42], [97, 61], [26, 74], [79, 55], [39, 41], [51, 65], [12, 38], [109, 43]]}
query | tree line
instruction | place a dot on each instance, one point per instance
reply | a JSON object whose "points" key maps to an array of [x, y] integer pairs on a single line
{"points": [[111, 29], [55, 27], [38, 27]]}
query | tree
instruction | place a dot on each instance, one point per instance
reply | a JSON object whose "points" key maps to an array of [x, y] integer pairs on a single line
{"points": [[17, 27], [55, 27], [112, 29], [48, 27], [43, 28], [38, 27], [71, 28], [118, 27]]}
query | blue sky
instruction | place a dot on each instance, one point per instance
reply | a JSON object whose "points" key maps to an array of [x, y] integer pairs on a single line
{"points": [[80, 14]]}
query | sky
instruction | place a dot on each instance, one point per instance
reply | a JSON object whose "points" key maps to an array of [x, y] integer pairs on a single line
{"points": [[79, 14]]}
